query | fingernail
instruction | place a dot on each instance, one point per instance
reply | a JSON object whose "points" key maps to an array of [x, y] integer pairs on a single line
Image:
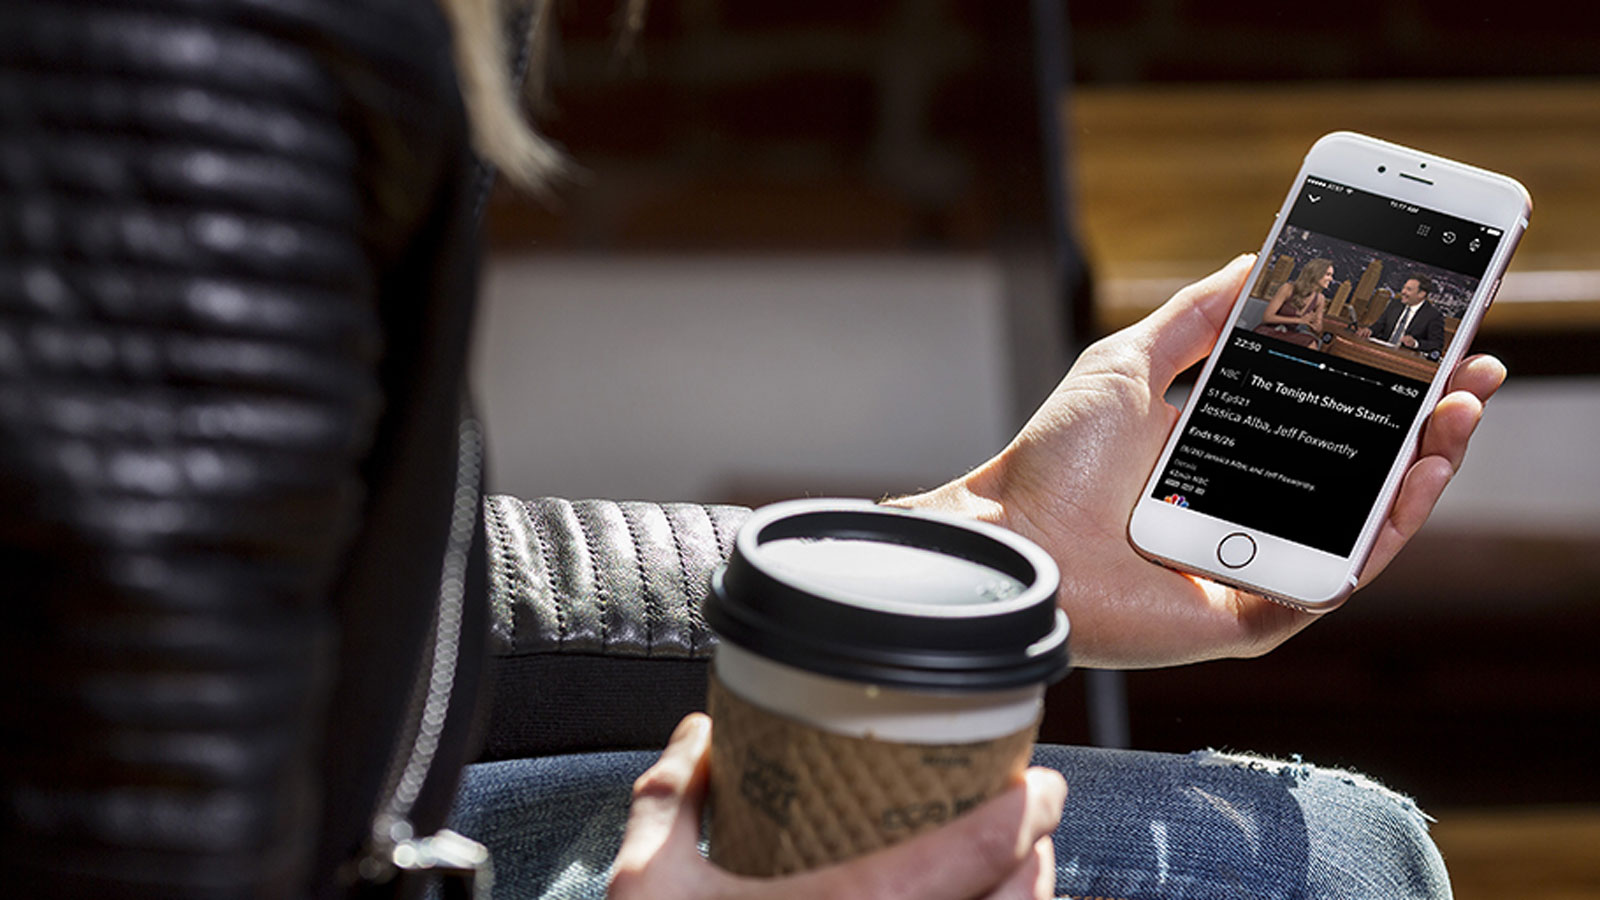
{"points": [[693, 728], [1048, 783]]}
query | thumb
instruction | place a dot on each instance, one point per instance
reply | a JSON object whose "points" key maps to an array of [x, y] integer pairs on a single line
{"points": [[664, 823], [1183, 330]]}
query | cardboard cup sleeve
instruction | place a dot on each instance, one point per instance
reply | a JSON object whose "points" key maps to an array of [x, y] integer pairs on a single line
{"points": [[786, 796]]}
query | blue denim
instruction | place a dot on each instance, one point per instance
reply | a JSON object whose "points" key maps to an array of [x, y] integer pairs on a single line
{"points": [[1137, 826]]}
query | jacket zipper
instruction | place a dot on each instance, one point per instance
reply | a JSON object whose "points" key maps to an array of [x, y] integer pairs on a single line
{"points": [[394, 849]]}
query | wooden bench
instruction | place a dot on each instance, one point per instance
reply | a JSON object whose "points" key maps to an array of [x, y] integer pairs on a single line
{"points": [[1172, 181]]}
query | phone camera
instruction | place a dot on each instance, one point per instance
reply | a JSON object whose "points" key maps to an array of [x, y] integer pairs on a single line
{"points": [[1422, 165], [1382, 169]]}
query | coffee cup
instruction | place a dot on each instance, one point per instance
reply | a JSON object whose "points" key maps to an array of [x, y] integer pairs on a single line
{"points": [[880, 672]]}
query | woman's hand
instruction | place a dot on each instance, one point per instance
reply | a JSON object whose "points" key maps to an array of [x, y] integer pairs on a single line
{"points": [[1069, 481], [1001, 849]]}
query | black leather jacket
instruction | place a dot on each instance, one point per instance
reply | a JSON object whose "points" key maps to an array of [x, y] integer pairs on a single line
{"points": [[246, 582]]}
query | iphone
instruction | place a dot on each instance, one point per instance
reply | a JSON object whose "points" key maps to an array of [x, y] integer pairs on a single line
{"points": [[1292, 444]]}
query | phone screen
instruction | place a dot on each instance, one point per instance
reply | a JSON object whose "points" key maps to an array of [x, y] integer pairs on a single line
{"points": [[1296, 429]]}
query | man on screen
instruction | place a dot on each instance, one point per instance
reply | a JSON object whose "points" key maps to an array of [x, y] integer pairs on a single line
{"points": [[1410, 320]]}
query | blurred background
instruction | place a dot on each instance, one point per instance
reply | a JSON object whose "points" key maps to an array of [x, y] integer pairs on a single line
{"points": [[843, 248]]}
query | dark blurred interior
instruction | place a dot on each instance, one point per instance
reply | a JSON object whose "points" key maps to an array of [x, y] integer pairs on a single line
{"points": [[1467, 674]]}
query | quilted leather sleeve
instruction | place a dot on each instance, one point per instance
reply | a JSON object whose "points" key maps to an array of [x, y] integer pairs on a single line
{"points": [[596, 617], [189, 358], [596, 576]]}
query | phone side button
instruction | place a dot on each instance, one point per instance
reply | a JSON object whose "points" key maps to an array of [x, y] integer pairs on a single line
{"points": [[1236, 550]]}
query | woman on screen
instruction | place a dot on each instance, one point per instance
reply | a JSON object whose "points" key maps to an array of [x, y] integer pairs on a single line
{"points": [[1294, 313]]}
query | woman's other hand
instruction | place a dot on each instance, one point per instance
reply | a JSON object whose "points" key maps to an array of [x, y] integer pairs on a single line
{"points": [[1001, 849]]}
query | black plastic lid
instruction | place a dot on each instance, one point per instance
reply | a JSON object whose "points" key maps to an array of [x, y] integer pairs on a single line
{"points": [[889, 596]]}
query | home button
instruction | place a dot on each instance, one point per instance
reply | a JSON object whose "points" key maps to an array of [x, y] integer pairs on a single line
{"points": [[1236, 550]]}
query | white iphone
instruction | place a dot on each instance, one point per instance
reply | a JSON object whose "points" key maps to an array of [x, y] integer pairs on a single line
{"points": [[1294, 440]]}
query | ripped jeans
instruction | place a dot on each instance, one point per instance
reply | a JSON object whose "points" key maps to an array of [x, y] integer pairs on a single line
{"points": [[1137, 826]]}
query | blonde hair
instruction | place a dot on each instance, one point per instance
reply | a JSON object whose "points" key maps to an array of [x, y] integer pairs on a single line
{"points": [[1310, 280], [484, 49]]}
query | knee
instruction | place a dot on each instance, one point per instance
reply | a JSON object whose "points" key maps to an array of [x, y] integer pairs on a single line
{"points": [[1379, 835], [1364, 839]]}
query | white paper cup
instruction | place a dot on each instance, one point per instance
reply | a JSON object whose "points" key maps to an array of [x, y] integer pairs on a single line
{"points": [[880, 673]]}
